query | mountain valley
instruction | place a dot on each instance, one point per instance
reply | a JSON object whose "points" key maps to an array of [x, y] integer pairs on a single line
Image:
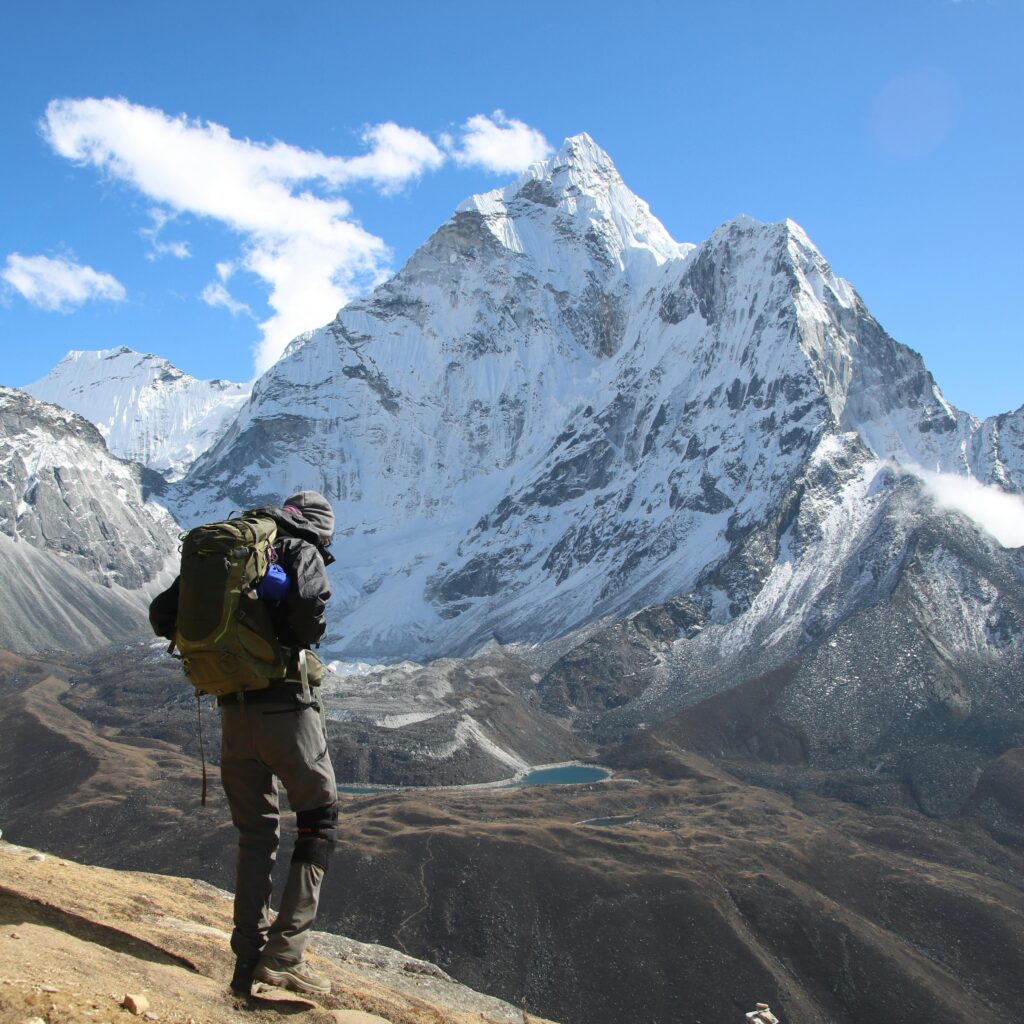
{"points": [[602, 497]]}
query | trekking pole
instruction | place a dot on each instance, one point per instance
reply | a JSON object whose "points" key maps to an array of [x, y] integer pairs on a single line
{"points": [[202, 745]]}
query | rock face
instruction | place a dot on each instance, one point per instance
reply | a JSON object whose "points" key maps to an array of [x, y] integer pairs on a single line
{"points": [[998, 451], [147, 410], [83, 548], [554, 413]]}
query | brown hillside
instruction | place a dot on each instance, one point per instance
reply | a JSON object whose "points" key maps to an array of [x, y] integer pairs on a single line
{"points": [[75, 940]]}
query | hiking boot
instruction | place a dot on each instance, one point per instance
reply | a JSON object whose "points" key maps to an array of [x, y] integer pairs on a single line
{"points": [[241, 980], [299, 977]]}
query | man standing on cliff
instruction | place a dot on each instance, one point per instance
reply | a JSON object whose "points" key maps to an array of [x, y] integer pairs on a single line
{"points": [[277, 734]]}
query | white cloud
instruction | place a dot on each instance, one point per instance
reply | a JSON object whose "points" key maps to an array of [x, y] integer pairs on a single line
{"points": [[215, 294], [302, 244], [500, 144], [298, 234], [397, 156], [58, 284], [994, 510]]}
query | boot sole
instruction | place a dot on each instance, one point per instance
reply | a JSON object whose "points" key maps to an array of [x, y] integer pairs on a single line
{"points": [[284, 979]]}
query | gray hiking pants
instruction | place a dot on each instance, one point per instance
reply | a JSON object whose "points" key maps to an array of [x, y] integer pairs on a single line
{"points": [[261, 743]]}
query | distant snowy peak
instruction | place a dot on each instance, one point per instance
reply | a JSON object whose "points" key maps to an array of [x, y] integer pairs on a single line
{"points": [[147, 410]]}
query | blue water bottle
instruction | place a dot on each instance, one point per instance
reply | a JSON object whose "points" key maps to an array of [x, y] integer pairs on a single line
{"points": [[274, 584]]}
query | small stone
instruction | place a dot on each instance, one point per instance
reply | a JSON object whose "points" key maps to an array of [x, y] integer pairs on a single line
{"points": [[35, 1020], [15, 935], [150, 1016], [135, 1004], [37, 858], [357, 1017], [48, 988]]}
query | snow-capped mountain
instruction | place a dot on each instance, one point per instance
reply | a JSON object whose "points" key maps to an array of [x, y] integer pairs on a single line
{"points": [[81, 549], [147, 410], [555, 413]]}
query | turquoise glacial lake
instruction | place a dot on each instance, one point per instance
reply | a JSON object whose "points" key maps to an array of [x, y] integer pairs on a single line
{"points": [[569, 775]]}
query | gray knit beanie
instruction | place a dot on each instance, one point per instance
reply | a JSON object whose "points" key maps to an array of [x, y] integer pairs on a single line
{"points": [[316, 510]]}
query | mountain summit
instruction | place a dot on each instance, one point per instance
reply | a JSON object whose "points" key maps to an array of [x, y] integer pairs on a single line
{"points": [[577, 199]]}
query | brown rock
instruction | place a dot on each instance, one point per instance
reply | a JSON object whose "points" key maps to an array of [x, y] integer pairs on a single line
{"points": [[357, 1017], [135, 1004]]}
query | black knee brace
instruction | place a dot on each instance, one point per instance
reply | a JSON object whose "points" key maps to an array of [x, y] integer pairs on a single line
{"points": [[318, 830]]}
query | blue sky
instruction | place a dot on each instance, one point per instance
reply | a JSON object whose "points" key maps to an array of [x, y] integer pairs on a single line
{"points": [[890, 131]]}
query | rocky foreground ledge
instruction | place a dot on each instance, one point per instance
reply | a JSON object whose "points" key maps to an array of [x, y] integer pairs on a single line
{"points": [[80, 943]]}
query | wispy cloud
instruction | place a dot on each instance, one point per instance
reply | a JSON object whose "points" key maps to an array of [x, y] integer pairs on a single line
{"points": [[994, 510], [178, 249], [499, 144], [57, 284], [298, 233], [215, 294]]}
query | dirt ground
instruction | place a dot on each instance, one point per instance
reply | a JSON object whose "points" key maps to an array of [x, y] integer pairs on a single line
{"points": [[76, 940]]}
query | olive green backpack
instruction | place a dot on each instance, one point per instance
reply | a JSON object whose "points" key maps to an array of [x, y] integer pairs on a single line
{"points": [[225, 635]]}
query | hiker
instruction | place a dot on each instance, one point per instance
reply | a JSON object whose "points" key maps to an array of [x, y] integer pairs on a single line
{"points": [[272, 733]]}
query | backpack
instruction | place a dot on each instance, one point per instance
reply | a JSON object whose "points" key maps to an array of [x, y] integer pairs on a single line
{"points": [[224, 632]]}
